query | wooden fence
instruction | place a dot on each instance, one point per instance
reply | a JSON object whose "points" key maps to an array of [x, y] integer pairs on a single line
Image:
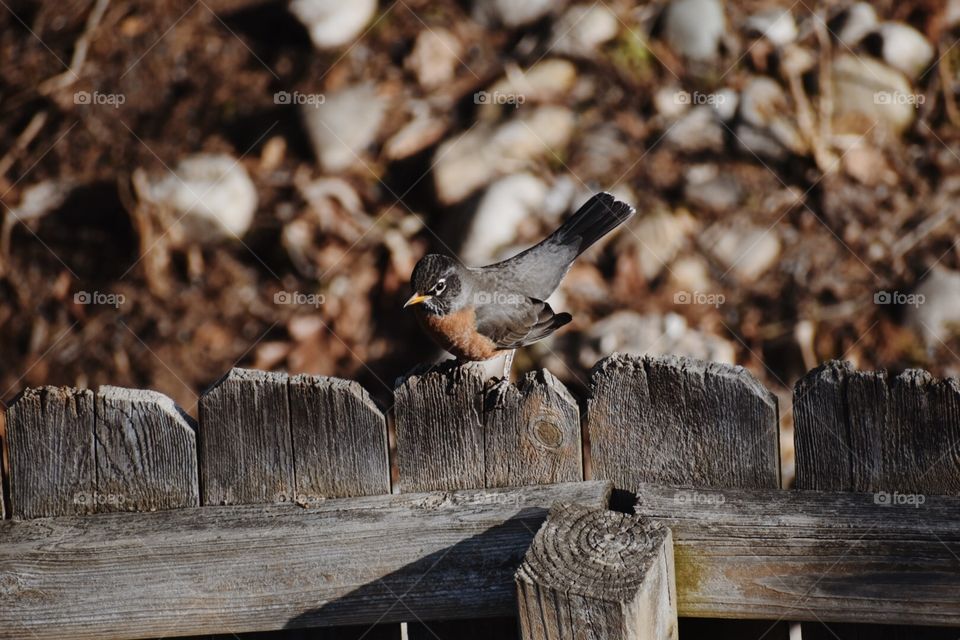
{"points": [[125, 519]]}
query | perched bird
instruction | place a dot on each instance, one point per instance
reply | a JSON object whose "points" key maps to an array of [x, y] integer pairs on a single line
{"points": [[478, 313]]}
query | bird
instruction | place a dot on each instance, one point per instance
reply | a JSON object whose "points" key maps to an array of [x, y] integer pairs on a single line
{"points": [[480, 313]]}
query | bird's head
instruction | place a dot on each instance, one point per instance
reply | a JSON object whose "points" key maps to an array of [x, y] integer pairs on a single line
{"points": [[437, 284]]}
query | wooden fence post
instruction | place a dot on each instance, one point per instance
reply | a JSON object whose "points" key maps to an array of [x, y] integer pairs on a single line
{"points": [[593, 574], [871, 432]]}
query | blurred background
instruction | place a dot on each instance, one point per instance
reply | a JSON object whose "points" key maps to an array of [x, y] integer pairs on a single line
{"points": [[190, 186]]}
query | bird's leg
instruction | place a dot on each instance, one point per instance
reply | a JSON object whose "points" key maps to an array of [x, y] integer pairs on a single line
{"points": [[508, 364]]}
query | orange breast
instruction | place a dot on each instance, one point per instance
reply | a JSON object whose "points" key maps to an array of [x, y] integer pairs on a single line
{"points": [[457, 333]]}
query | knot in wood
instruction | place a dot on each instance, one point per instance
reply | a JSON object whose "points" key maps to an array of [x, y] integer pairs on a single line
{"points": [[546, 430]]}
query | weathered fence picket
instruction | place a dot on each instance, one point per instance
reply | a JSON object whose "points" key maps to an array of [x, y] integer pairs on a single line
{"points": [[50, 435], [294, 456], [678, 421], [868, 431]]}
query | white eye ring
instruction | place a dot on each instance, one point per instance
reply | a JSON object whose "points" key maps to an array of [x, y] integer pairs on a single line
{"points": [[440, 286]]}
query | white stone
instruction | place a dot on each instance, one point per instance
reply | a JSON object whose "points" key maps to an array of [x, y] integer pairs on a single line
{"points": [[905, 48], [435, 56], [505, 205], [212, 195], [776, 25], [583, 28], [694, 28], [333, 23], [861, 19], [935, 316], [344, 125], [872, 90]]}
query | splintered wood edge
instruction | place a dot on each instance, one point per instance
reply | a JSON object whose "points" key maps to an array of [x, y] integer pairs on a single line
{"points": [[351, 387], [146, 397]]}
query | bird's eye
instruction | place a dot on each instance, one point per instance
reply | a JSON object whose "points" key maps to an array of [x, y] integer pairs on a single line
{"points": [[440, 286]]}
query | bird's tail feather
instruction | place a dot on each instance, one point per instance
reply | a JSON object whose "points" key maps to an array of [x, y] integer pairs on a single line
{"points": [[599, 216]]}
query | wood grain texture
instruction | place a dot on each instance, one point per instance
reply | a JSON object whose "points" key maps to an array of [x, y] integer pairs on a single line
{"points": [[145, 450], [532, 433], [594, 574], [681, 421], [339, 439], [246, 454], [260, 567], [439, 424], [50, 432], [870, 431], [805, 555]]}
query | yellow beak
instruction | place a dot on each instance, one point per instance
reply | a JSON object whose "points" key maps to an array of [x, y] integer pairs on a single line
{"points": [[416, 298]]}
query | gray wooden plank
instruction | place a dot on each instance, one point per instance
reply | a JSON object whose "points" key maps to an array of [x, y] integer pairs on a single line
{"points": [[246, 454], [681, 421], [439, 425], [339, 439], [145, 450], [532, 433], [594, 574], [895, 436], [50, 437], [243, 568], [811, 555]]}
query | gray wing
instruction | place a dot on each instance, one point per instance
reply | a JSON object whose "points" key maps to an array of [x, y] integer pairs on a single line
{"points": [[510, 326], [538, 270]]}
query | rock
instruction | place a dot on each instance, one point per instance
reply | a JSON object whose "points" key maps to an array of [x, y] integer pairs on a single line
{"points": [[632, 333], [696, 131], [764, 105], [855, 23], [602, 150], [951, 16], [506, 204], [933, 309], [709, 189], [583, 28], [669, 101], [776, 25], [435, 56], [41, 198], [333, 23], [343, 125], [690, 273], [516, 13], [759, 143], [422, 131], [905, 48], [744, 250], [657, 238], [725, 104], [866, 93], [465, 163], [545, 81], [866, 164], [211, 194], [694, 28]]}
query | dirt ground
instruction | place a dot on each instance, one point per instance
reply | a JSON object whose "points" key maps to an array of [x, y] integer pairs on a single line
{"points": [[202, 76]]}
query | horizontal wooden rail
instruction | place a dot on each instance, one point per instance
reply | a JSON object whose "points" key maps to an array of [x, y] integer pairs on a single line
{"points": [[231, 569], [810, 555]]}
